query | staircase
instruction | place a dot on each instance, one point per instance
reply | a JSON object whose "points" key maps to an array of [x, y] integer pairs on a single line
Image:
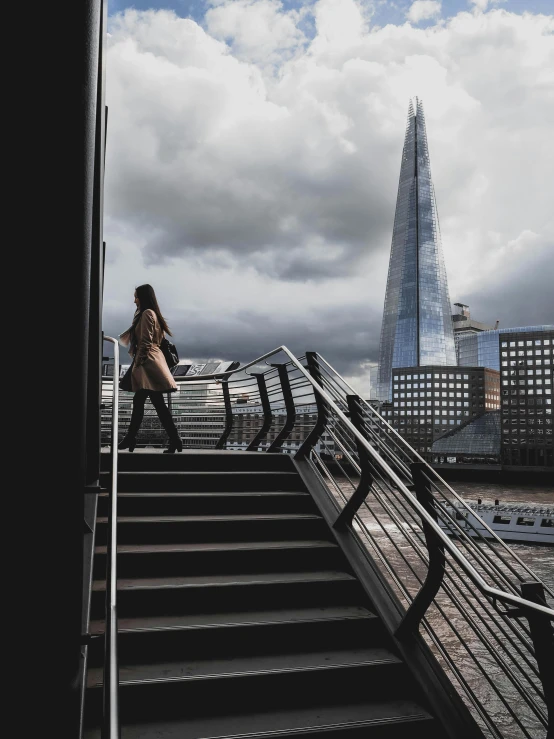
{"points": [[239, 614]]}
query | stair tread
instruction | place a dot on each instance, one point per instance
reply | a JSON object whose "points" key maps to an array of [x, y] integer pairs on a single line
{"points": [[279, 723], [224, 580], [237, 618], [187, 669], [231, 494], [229, 518], [184, 473], [220, 546]]}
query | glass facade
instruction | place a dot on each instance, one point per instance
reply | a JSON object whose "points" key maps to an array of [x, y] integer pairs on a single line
{"points": [[481, 350], [429, 401], [481, 436], [417, 326]]}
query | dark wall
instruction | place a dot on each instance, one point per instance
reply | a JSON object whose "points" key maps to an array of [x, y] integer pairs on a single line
{"points": [[52, 239]]}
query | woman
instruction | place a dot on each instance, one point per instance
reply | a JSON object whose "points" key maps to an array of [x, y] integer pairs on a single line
{"points": [[150, 375]]}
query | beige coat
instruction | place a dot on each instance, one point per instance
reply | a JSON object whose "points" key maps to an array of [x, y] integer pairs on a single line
{"points": [[150, 370]]}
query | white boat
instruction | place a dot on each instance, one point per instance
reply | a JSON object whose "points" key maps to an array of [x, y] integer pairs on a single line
{"points": [[516, 522]]}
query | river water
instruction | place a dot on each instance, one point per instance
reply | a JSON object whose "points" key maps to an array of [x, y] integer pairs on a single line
{"points": [[480, 666]]}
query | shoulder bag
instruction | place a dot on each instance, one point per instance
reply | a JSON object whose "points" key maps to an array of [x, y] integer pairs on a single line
{"points": [[169, 351], [125, 381]]}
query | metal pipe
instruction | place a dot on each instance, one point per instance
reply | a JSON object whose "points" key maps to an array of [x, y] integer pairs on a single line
{"points": [[110, 726]]}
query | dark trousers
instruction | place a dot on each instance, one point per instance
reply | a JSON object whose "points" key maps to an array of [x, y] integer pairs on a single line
{"points": [[162, 410]]}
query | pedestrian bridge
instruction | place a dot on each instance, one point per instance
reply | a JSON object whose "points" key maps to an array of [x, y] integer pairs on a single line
{"points": [[326, 590]]}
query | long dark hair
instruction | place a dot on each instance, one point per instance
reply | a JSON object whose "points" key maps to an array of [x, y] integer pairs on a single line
{"points": [[147, 300]]}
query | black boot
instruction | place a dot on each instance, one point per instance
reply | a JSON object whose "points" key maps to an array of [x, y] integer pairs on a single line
{"points": [[128, 442], [175, 445]]}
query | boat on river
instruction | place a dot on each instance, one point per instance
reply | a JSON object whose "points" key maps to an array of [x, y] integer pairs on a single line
{"points": [[515, 522]]}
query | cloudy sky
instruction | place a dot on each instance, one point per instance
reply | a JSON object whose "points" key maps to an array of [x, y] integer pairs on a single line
{"points": [[253, 158]]}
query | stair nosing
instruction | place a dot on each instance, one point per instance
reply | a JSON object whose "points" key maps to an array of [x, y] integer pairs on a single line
{"points": [[230, 518], [230, 494], [221, 547], [393, 660], [369, 616], [290, 473], [415, 717], [344, 577]]}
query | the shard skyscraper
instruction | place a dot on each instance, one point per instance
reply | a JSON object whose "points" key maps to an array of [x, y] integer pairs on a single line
{"points": [[417, 325]]}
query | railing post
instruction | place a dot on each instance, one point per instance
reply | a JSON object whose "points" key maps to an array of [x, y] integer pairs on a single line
{"points": [[315, 434], [542, 635], [347, 514], [289, 407], [266, 406], [110, 696], [228, 416], [437, 559]]}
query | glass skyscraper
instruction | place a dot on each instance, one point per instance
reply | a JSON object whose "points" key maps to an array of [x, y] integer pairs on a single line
{"points": [[417, 325]]}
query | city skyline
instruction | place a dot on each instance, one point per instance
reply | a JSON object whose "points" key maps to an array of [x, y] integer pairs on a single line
{"points": [[255, 186]]}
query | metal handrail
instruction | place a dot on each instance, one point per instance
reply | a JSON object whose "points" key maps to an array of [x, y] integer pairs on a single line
{"points": [[399, 439], [467, 567], [110, 726]]}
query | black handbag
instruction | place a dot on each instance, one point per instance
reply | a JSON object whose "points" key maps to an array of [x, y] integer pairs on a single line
{"points": [[169, 351], [125, 381]]}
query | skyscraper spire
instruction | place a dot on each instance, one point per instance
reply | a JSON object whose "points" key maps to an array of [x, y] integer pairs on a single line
{"points": [[417, 327]]}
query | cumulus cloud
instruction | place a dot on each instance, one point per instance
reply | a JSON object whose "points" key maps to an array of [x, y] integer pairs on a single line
{"points": [[422, 10], [261, 31], [256, 190]]}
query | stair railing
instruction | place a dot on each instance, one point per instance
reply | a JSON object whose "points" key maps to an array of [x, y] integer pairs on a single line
{"points": [[110, 688], [483, 612]]}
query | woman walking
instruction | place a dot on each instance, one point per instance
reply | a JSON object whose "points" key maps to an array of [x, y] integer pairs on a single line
{"points": [[150, 375]]}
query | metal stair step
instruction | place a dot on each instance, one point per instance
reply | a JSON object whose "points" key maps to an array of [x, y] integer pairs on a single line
{"points": [[223, 580], [187, 669], [184, 503], [213, 494], [135, 560], [182, 480], [213, 518], [395, 719], [219, 546], [224, 527], [222, 619], [263, 644], [298, 683], [152, 598], [193, 460]]}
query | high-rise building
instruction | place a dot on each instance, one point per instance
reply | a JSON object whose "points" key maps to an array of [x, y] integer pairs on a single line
{"points": [[527, 381], [481, 349], [417, 325], [429, 401]]}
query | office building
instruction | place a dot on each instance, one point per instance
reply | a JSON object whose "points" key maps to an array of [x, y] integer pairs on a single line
{"points": [[482, 349], [429, 401], [526, 393], [417, 324]]}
